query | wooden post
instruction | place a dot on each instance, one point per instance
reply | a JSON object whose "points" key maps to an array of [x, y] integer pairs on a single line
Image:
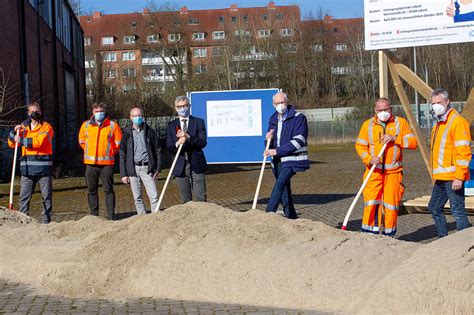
{"points": [[407, 107], [383, 74], [410, 77], [468, 111]]}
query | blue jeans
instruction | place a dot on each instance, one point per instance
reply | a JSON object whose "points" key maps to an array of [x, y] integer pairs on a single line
{"points": [[442, 191], [282, 191]]}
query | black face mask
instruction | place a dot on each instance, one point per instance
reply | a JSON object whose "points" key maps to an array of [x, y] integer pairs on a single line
{"points": [[35, 116]]}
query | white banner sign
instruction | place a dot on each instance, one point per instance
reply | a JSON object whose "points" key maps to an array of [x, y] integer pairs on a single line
{"points": [[234, 118], [402, 23]]}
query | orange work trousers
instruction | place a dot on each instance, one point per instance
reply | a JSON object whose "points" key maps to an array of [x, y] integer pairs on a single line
{"points": [[382, 190]]}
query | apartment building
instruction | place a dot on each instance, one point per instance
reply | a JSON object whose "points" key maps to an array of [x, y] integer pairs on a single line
{"points": [[160, 47]]}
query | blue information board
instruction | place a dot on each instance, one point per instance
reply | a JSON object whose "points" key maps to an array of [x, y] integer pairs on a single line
{"points": [[236, 123]]}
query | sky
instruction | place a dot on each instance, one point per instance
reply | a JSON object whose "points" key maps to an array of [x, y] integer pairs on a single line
{"points": [[335, 8]]}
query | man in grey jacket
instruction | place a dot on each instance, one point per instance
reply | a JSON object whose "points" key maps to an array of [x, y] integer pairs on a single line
{"points": [[140, 159]]}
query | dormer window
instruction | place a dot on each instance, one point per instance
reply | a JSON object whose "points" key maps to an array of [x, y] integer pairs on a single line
{"points": [[174, 37], [134, 23], [198, 36], [153, 38], [286, 32], [129, 40], [193, 21], [108, 40], [221, 19]]}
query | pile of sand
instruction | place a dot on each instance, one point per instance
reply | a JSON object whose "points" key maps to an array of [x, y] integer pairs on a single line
{"points": [[14, 218], [203, 252]]}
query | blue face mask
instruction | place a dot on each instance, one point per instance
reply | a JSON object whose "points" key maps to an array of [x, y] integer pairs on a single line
{"points": [[137, 121], [99, 116], [183, 112]]}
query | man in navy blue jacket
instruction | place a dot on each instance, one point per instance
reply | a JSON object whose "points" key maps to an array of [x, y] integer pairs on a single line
{"points": [[191, 164], [288, 150]]}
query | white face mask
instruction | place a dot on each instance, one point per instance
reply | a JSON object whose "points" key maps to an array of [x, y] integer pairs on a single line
{"points": [[383, 116], [438, 109], [280, 108]]}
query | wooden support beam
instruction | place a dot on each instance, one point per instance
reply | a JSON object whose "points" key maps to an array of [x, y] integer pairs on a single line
{"points": [[410, 77], [468, 111], [397, 82], [383, 74]]}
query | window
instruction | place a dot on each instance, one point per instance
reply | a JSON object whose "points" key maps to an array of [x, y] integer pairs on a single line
{"points": [[109, 40], [200, 52], [242, 33], [128, 55], [111, 73], [286, 32], [263, 33], [335, 30], [129, 40], [198, 36], [174, 37], [193, 21], [217, 51], [198, 69], [340, 70], [87, 41], [128, 88], [290, 48], [218, 35], [67, 33], [134, 23], [265, 17], [317, 47], [245, 18], [341, 47], [280, 16], [110, 56], [234, 19], [153, 38], [221, 19], [45, 9], [129, 72]]}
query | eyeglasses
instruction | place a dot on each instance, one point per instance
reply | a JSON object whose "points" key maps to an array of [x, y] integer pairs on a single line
{"points": [[182, 106], [280, 103]]}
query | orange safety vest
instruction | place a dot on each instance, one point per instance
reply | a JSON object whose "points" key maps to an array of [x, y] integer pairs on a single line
{"points": [[100, 142], [36, 149], [369, 142], [451, 147]]}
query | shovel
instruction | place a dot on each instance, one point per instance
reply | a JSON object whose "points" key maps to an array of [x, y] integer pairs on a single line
{"points": [[254, 205], [12, 183], [346, 219]]}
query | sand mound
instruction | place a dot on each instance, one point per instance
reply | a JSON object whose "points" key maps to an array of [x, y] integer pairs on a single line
{"points": [[14, 217], [203, 252]]}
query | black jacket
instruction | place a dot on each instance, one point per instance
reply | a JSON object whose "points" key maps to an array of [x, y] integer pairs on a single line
{"points": [[192, 147], [153, 147]]}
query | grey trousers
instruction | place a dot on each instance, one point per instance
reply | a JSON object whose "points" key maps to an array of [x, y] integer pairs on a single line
{"points": [[27, 187], [149, 183], [190, 183]]}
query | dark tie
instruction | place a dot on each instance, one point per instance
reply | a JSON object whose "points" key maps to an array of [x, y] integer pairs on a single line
{"points": [[185, 125]]}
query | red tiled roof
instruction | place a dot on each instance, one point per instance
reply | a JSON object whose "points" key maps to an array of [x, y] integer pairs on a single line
{"points": [[119, 25]]}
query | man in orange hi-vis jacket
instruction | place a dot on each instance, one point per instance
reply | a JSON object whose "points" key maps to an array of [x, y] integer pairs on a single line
{"points": [[384, 188], [35, 136], [100, 139], [450, 157]]}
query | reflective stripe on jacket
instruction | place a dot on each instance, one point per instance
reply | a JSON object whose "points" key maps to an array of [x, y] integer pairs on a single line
{"points": [[451, 147], [36, 149], [369, 142], [291, 145], [100, 143]]}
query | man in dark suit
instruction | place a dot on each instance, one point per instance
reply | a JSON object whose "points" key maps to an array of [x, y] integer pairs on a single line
{"points": [[190, 132]]}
